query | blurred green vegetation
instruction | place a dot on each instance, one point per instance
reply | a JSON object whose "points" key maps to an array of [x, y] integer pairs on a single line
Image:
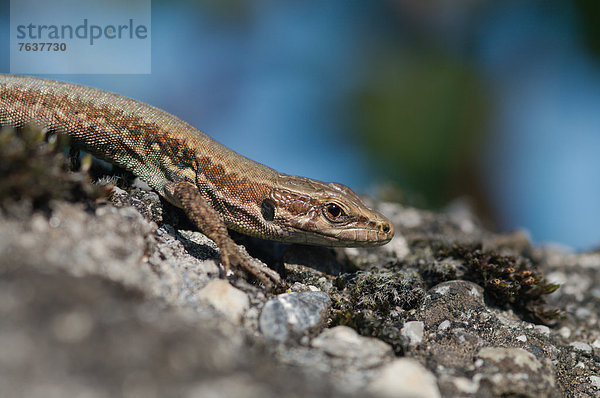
{"points": [[422, 116], [588, 12]]}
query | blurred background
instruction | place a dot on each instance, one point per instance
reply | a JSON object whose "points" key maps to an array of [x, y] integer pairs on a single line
{"points": [[426, 101]]}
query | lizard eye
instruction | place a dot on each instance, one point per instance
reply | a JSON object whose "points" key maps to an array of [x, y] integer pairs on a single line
{"points": [[333, 212]]}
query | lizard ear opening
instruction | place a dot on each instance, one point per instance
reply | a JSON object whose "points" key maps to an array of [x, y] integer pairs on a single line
{"points": [[267, 209]]}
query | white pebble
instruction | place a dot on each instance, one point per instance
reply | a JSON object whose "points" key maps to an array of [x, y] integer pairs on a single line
{"points": [[404, 377], [413, 331]]}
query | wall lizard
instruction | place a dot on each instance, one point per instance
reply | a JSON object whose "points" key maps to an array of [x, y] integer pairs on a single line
{"points": [[216, 187]]}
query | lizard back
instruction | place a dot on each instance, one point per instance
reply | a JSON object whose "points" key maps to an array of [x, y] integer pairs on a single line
{"points": [[158, 147]]}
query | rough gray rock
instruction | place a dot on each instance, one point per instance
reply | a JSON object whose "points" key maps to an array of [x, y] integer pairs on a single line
{"points": [[120, 298], [344, 342], [291, 315], [66, 336], [513, 371]]}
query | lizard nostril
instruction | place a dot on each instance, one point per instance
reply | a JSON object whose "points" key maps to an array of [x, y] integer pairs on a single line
{"points": [[385, 228]]}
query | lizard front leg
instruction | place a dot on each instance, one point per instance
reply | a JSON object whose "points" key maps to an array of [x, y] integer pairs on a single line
{"points": [[210, 223]]}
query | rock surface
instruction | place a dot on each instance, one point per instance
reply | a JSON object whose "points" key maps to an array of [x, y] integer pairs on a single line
{"points": [[228, 300], [120, 298], [291, 315], [343, 342], [404, 377], [512, 371]]}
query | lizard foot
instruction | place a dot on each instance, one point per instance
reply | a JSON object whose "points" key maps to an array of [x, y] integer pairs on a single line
{"points": [[236, 256], [210, 223]]}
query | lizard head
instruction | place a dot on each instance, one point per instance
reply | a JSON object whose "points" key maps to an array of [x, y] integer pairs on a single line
{"points": [[317, 213]]}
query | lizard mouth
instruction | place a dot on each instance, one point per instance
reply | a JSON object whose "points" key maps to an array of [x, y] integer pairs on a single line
{"points": [[344, 237]]}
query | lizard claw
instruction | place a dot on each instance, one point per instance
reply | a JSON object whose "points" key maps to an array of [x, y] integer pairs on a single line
{"points": [[236, 256]]}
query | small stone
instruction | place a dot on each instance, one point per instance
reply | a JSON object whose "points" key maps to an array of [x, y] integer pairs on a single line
{"points": [[542, 329], [522, 338], [228, 300], [290, 315], [324, 285], [404, 377], [517, 356], [445, 325], [413, 331], [344, 342], [595, 380], [581, 347], [441, 289], [298, 287], [465, 385], [512, 372], [565, 332], [596, 343]]}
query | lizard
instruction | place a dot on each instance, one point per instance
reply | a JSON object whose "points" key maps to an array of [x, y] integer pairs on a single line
{"points": [[216, 187]]}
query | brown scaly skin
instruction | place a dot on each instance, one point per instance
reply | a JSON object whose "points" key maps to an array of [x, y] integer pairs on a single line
{"points": [[217, 188]]}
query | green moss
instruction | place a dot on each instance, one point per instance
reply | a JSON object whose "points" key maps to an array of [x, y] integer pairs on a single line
{"points": [[507, 280], [374, 304]]}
